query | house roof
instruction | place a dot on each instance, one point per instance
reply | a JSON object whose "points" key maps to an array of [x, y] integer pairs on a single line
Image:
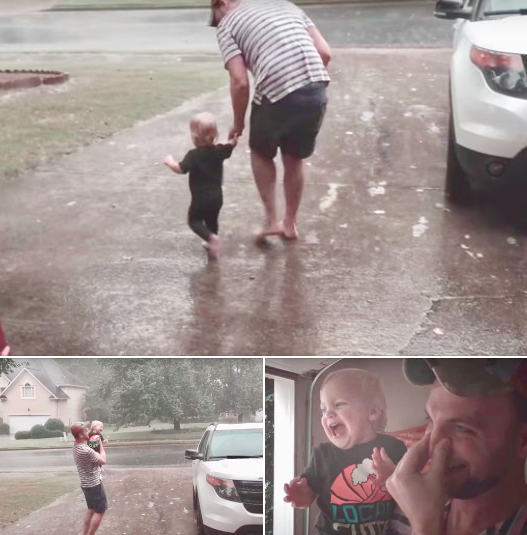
{"points": [[49, 373]]}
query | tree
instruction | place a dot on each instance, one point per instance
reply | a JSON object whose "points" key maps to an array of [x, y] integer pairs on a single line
{"points": [[238, 385], [7, 365], [137, 391]]}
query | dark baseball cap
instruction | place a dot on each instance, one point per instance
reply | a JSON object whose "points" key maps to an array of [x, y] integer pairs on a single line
{"points": [[469, 377]]}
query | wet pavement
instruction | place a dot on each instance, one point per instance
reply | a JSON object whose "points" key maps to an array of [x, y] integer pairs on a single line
{"points": [[157, 501], [97, 259], [120, 457], [186, 31]]}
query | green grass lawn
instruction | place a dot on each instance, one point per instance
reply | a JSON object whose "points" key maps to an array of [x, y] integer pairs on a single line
{"points": [[157, 431], [20, 495], [105, 94]]}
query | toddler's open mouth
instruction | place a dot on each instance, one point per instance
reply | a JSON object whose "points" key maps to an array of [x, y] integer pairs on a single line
{"points": [[337, 430]]}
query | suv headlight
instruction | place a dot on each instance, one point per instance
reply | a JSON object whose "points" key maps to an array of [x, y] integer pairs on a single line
{"points": [[505, 73], [224, 488]]}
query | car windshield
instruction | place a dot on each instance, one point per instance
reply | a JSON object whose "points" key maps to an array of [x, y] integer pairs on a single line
{"points": [[497, 8], [236, 443]]}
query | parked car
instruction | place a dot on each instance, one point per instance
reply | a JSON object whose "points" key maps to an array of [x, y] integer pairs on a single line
{"points": [[487, 145], [227, 474]]}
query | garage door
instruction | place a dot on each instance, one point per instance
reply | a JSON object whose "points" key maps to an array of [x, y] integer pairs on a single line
{"points": [[25, 423]]}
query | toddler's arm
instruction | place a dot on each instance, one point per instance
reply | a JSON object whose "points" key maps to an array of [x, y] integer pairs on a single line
{"points": [[172, 164], [298, 493], [382, 465]]}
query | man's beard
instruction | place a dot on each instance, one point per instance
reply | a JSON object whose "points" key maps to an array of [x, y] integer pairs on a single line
{"points": [[471, 488]]}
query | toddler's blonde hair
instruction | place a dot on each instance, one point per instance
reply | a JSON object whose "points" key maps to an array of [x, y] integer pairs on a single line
{"points": [[365, 386], [203, 129]]}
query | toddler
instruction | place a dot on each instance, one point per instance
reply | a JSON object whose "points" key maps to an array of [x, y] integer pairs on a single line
{"points": [[205, 167], [96, 437], [348, 473]]}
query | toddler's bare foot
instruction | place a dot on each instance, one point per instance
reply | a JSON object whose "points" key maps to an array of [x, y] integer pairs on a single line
{"points": [[289, 230], [213, 247], [270, 229]]}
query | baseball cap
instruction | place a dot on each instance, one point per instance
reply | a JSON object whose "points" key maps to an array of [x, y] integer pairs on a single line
{"points": [[470, 377]]}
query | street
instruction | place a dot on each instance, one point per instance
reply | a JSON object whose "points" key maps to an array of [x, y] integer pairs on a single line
{"points": [[186, 32], [118, 457]]}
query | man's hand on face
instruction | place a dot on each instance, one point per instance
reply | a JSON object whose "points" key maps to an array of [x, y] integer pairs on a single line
{"points": [[421, 496]]}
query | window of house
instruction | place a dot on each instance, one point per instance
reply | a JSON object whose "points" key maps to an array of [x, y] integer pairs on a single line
{"points": [[28, 391]]}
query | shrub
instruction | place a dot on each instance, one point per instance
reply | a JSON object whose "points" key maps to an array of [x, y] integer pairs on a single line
{"points": [[38, 431], [4, 429], [22, 435], [54, 424]]}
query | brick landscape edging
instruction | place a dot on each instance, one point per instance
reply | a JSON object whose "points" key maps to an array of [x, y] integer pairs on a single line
{"points": [[16, 79]]}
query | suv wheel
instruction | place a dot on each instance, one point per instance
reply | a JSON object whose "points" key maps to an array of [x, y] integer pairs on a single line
{"points": [[199, 519], [194, 498], [457, 186]]}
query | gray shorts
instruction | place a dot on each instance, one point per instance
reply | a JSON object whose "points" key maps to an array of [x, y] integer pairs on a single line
{"points": [[291, 124], [96, 498]]}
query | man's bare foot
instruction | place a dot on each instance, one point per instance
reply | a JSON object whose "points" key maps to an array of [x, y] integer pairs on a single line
{"points": [[271, 229], [213, 247], [289, 231]]}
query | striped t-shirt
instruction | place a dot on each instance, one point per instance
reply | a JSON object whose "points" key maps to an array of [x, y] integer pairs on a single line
{"points": [[272, 36], [87, 465], [516, 524]]}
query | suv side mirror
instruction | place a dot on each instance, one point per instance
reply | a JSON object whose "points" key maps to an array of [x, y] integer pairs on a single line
{"points": [[194, 455], [452, 9]]}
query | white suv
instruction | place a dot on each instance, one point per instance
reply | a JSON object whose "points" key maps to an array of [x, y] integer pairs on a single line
{"points": [[488, 94], [227, 473]]}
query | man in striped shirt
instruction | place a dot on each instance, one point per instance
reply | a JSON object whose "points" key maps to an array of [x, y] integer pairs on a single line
{"points": [[89, 464], [287, 55], [472, 457]]}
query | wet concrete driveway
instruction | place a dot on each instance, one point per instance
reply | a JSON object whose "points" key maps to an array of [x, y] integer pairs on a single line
{"points": [[157, 501], [97, 259]]}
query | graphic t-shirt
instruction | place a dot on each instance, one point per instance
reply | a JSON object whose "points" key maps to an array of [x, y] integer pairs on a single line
{"points": [[94, 441], [349, 501], [205, 168]]}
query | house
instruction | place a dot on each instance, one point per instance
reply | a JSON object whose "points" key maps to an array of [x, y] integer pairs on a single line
{"points": [[294, 385], [37, 390]]}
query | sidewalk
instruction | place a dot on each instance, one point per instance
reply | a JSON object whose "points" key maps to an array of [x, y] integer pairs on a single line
{"points": [[157, 501]]}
